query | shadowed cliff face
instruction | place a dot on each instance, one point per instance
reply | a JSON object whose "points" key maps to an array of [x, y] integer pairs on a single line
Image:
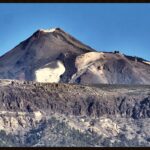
{"points": [[75, 62], [76, 100], [34, 109]]}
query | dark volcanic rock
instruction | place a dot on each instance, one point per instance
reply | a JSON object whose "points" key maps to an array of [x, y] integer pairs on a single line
{"points": [[44, 114], [76, 99]]}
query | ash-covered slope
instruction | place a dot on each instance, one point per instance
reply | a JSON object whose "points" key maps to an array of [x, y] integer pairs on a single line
{"points": [[55, 56], [110, 68], [38, 114], [47, 56]]}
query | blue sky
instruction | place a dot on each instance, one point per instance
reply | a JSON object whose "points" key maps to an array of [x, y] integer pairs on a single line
{"points": [[105, 27]]}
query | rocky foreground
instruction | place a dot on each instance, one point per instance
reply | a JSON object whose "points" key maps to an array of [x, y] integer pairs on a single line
{"points": [[42, 114]]}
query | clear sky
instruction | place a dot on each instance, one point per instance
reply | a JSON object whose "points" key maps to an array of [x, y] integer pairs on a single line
{"points": [[104, 27]]}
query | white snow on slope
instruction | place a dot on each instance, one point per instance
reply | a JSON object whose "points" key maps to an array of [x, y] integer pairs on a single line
{"points": [[50, 75], [48, 30]]}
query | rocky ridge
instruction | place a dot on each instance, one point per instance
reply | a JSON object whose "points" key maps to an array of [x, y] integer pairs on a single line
{"points": [[29, 109]]}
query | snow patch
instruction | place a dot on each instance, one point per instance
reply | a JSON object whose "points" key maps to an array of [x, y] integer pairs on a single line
{"points": [[48, 30], [48, 74]]}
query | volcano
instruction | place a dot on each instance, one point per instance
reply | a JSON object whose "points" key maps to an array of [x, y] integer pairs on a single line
{"points": [[55, 56]]}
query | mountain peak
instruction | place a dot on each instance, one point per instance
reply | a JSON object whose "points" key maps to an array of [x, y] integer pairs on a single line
{"points": [[50, 30], [53, 55]]}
